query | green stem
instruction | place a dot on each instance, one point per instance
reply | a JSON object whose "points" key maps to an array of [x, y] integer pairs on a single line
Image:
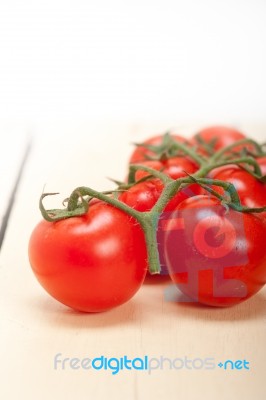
{"points": [[133, 168], [169, 191], [226, 149], [169, 146], [57, 214], [227, 186], [148, 221], [250, 210], [86, 191], [190, 152], [243, 160], [78, 206]]}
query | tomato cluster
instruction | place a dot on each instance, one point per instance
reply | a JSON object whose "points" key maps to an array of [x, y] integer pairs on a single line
{"points": [[209, 232]]}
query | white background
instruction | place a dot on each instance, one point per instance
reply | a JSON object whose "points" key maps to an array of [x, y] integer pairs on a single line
{"points": [[138, 60]]}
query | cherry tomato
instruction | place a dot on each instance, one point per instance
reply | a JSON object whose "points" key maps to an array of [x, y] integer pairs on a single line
{"points": [[222, 136], [143, 195], [175, 167], [90, 263], [141, 152], [215, 256], [251, 191], [213, 173]]}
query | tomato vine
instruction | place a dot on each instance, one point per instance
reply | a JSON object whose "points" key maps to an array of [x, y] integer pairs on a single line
{"points": [[78, 205]]}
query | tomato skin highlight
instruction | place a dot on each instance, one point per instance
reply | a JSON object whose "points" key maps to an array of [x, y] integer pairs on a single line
{"points": [[90, 263], [213, 278]]}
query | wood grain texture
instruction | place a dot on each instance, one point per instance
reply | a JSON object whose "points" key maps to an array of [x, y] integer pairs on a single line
{"points": [[34, 327]]}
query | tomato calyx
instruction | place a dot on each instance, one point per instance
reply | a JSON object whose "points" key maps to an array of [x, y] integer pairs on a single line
{"points": [[169, 148], [54, 215], [208, 147], [161, 151]]}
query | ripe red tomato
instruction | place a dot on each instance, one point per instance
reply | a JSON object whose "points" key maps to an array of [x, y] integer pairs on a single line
{"points": [[90, 263], [223, 136], [175, 167], [143, 195], [215, 256], [251, 191], [141, 153]]}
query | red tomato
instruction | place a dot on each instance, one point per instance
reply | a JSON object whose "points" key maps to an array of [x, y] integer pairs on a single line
{"points": [[223, 136], [218, 170], [143, 195], [141, 153], [214, 256], [251, 191], [90, 263], [175, 167]]}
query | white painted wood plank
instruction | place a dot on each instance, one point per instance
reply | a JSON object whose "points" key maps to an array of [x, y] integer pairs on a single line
{"points": [[14, 140]]}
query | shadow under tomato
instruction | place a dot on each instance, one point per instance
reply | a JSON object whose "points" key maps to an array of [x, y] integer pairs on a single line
{"points": [[59, 315], [251, 309], [156, 279], [144, 308]]}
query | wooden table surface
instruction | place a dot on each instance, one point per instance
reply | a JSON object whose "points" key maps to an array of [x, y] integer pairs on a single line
{"points": [[34, 327]]}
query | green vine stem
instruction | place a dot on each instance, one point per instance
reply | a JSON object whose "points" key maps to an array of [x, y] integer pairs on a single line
{"points": [[226, 149], [238, 161], [148, 220], [78, 206], [133, 168], [207, 146], [164, 150], [190, 152]]}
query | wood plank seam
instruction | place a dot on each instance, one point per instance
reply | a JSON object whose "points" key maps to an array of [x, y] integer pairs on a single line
{"points": [[10, 203]]}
